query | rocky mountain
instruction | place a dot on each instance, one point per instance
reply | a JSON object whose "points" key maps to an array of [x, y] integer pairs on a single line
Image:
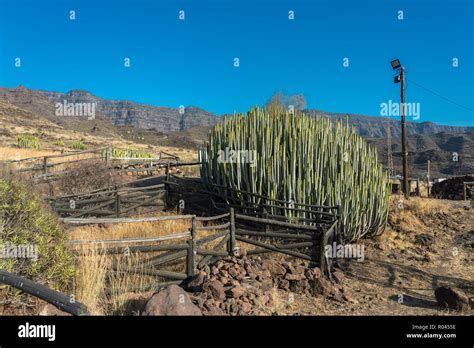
{"points": [[119, 112], [166, 119], [376, 126], [449, 154]]}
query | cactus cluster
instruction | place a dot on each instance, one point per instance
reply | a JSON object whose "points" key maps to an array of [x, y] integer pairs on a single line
{"points": [[28, 141], [301, 159], [127, 153]]}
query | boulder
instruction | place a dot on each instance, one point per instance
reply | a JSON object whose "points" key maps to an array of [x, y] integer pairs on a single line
{"points": [[172, 300], [452, 298]]}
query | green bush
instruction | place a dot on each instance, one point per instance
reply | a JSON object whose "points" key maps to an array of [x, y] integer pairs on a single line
{"points": [[28, 141], [24, 222], [301, 159], [78, 145], [59, 143]]}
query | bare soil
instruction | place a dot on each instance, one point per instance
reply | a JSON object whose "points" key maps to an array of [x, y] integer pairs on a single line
{"points": [[399, 274]]}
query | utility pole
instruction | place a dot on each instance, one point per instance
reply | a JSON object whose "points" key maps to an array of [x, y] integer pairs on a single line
{"points": [[428, 179], [389, 150], [406, 188]]}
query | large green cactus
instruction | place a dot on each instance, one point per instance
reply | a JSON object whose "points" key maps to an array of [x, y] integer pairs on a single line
{"points": [[301, 159]]}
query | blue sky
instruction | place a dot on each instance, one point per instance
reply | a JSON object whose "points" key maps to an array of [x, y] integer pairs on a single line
{"points": [[190, 62]]}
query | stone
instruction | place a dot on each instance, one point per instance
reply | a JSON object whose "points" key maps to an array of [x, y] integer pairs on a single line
{"points": [[172, 300], [215, 288], [299, 286], [50, 310], [338, 277], [246, 308], [215, 311], [208, 304], [274, 267], [234, 309], [293, 276], [234, 271], [321, 286], [223, 280], [194, 284], [317, 273], [452, 298], [283, 284], [235, 292], [266, 284], [298, 269]]}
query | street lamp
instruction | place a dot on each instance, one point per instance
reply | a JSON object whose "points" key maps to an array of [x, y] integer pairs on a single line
{"points": [[397, 66]]}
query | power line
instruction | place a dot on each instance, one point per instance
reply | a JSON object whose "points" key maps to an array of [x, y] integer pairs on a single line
{"points": [[440, 96]]}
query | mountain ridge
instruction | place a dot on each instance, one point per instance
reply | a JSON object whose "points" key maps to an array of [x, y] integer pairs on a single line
{"points": [[168, 119]]}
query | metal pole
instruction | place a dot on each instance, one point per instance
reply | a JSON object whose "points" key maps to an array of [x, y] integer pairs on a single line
{"points": [[406, 188]]}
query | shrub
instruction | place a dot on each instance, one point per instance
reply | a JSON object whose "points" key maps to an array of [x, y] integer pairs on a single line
{"points": [[24, 222], [59, 143], [28, 141], [78, 145]]}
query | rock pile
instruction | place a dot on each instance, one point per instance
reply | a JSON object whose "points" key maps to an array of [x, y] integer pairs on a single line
{"points": [[242, 286], [453, 188]]}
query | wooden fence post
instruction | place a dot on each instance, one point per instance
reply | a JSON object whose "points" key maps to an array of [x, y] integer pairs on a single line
{"points": [[117, 204], [266, 228], [322, 256], [45, 164], [167, 186], [232, 233], [191, 259], [107, 155]]}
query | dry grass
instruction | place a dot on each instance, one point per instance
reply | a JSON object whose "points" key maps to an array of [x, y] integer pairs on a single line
{"points": [[12, 153], [129, 230], [92, 270], [106, 291]]}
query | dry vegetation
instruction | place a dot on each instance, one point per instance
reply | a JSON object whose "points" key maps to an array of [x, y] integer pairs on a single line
{"points": [[105, 291]]}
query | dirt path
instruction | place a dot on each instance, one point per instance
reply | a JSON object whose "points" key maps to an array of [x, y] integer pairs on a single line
{"points": [[427, 243]]}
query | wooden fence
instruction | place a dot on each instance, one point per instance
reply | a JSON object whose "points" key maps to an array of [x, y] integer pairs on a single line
{"points": [[115, 201], [49, 168], [228, 232]]}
